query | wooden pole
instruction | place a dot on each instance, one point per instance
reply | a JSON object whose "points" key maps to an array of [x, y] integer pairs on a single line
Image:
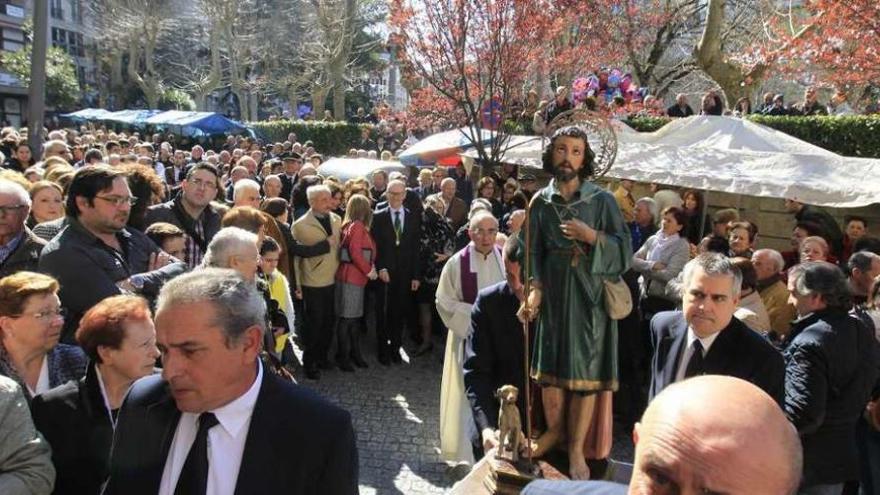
{"points": [[37, 89], [527, 290]]}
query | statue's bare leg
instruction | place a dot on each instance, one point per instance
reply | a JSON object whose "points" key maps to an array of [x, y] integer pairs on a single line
{"points": [[580, 415], [553, 399]]}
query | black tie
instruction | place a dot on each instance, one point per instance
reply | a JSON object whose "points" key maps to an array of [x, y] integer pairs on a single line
{"points": [[695, 365], [398, 228], [194, 476]]}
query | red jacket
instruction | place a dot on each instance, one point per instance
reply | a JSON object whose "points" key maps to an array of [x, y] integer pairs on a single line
{"points": [[356, 239]]}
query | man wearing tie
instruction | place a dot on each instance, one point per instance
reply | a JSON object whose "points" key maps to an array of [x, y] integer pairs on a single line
{"points": [[216, 422], [706, 339], [397, 232]]}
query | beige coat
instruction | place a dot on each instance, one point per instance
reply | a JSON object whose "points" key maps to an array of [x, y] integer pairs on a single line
{"points": [[781, 312], [318, 271]]}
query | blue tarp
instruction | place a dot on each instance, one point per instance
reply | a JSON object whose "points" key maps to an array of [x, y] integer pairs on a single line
{"points": [[87, 114], [195, 123], [130, 117]]}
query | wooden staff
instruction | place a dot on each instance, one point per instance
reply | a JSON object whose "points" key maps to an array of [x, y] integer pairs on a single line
{"points": [[527, 290]]}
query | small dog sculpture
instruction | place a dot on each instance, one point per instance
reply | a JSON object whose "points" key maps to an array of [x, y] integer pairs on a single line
{"points": [[509, 425]]}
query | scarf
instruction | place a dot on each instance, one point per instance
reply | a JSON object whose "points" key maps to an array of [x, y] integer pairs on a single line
{"points": [[663, 246]]}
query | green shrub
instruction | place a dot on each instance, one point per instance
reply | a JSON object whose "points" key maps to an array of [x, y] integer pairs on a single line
{"points": [[857, 135], [329, 138]]}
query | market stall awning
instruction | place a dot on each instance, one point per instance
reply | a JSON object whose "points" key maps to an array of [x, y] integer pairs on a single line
{"points": [[86, 114], [350, 168], [732, 155], [442, 145], [130, 117], [196, 123]]}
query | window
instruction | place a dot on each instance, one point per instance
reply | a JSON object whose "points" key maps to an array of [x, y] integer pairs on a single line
{"points": [[75, 11], [55, 10], [12, 39]]}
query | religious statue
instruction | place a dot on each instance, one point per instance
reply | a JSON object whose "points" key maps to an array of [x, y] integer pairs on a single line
{"points": [[577, 239]]}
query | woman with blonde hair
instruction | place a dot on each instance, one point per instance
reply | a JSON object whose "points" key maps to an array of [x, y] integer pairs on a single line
{"points": [[357, 254], [47, 202]]}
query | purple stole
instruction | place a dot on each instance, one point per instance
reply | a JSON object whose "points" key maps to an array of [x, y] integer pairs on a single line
{"points": [[469, 287]]}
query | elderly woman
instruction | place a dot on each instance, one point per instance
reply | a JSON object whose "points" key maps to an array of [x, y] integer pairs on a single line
{"points": [[78, 418], [47, 202], [660, 259], [814, 248], [31, 318], [437, 245]]}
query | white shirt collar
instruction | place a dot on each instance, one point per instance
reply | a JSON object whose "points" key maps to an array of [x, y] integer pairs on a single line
{"points": [[234, 415], [42, 380], [706, 342]]}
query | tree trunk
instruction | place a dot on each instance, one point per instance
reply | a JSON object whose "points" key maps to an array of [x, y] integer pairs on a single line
{"points": [[319, 100], [733, 79]]}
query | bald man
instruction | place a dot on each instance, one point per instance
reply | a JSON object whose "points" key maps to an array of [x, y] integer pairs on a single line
{"points": [[708, 434]]}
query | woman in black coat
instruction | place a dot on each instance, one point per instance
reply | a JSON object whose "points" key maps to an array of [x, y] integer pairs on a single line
{"points": [[78, 418]]}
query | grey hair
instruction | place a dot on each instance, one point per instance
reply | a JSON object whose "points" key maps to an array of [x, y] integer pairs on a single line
{"points": [[478, 217], [479, 204], [313, 192], [775, 256], [272, 178], [396, 181], [823, 279], [237, 303], [15, 189], [227, 242], [242, 185], [712, 264], [396, 175], [652, 206]]}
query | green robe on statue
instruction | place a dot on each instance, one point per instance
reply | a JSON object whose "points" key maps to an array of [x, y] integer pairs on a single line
{"points": [[576, 342]]}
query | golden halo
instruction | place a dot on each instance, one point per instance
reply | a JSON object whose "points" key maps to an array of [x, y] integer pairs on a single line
{"points": [[602, 138]]}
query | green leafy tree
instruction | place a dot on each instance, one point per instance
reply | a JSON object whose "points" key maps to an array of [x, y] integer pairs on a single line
{"points": [[62, 87]]}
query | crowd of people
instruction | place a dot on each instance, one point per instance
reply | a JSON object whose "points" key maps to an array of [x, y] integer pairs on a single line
{"points": [[534, 114], [149, 293]]}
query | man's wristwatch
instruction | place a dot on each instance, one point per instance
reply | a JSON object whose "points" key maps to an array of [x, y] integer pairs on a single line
{"points": [[137, 281]]}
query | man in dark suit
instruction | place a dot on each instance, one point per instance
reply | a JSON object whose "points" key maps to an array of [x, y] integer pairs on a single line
{"points": [[397, 232], [494, 349], [705, 338], [267, 435], [292, 163]]}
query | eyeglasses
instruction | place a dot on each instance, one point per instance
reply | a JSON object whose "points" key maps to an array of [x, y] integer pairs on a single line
{"points": [[197, 183], [47, 315], [119, 200], [484, 232], [5, 210]]}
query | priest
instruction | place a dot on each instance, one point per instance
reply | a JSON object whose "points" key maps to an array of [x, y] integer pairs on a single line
{"points": [[477, 266]]}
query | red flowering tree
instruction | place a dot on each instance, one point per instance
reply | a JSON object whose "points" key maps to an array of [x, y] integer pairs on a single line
{"points": [[470, 59], [837, 41]]}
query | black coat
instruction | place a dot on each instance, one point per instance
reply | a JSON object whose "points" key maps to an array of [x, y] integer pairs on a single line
{"points": [[737, 351], [402, 262], [296, 443], [831, 367], [26, 256], [74, 420], [287, 186], [493, 354], [676, 111]]}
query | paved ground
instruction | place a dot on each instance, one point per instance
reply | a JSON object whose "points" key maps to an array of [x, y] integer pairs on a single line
{"points": [[396, 416]]}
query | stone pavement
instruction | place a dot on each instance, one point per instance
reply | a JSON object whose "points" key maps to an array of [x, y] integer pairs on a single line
{"points": [[396, 416]]}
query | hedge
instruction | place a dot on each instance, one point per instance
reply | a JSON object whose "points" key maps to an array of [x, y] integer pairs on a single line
{"points": [[857, 135], [329, 138]]}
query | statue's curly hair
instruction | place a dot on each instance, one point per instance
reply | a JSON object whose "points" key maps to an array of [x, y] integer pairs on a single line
{"points": [[573, 131]]}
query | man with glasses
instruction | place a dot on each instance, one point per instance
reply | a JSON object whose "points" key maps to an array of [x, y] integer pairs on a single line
{"points": [[468, 271], [97, 255], [19, 248], [192, 211]]}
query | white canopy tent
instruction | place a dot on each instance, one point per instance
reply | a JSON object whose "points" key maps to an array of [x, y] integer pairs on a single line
{"points": [[350, 168], [731, 155]]}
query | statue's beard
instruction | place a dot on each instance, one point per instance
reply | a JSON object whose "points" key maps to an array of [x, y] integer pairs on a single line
{"points": [[564, 172]]}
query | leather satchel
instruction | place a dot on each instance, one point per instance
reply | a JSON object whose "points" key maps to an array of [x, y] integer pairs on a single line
{"points": [[618, 300]]}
